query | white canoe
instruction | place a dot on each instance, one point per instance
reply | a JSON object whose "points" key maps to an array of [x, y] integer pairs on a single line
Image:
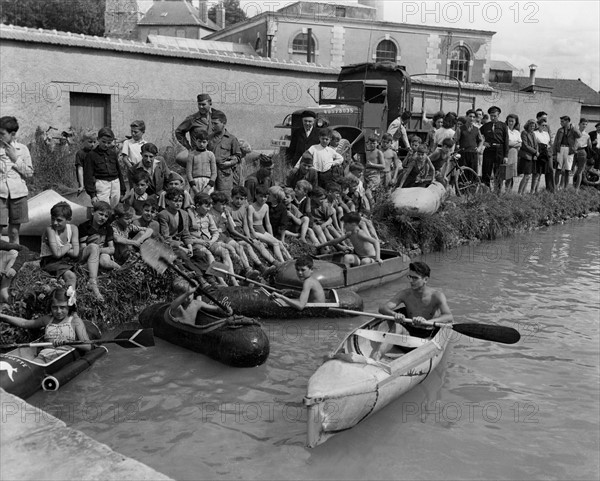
{"points": [[418, 201], [39, 212], [351, 386]]}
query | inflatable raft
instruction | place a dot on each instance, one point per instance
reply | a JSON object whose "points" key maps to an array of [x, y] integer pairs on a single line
{"points": [[39, 212], [256, 302], [22, 375], [333, 274], [236, 341], [351, 385], [419, 201]]}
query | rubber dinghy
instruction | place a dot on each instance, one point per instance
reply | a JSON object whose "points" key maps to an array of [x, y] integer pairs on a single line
{"points": [[39, 212], [351, 385], [22, 375], [237, 341], [419, 201], [256, 302], [332, 273]]}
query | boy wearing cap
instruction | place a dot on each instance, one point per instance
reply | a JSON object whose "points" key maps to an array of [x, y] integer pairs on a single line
{"points": [[202, 119], [302, 139], [102, 176], [15, 167], [564, 150], [228, 153], [495, 141], [263, 176], [304, 171]]}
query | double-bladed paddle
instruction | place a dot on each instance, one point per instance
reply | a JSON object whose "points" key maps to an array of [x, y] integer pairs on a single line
{"points": [[127, 339], [487, 332], [160, 257]]}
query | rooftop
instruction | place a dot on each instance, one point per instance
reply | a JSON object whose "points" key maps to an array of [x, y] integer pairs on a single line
{"points": [[563, 88], [502, 65], [177, 12]]}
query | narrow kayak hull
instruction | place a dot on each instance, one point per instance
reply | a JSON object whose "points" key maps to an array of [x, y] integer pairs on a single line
{"points": [[244, 345], [419, 201], [351, 386], [254, 302], [333, 274]]}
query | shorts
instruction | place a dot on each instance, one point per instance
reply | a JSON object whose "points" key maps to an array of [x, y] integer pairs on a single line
{"points": [[564, 159], [201, 185], [14, 211], [580, 159]]}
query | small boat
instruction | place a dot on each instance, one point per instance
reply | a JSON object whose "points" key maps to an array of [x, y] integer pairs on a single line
{"points": [[419, 201], [39, 212], [351, 385], [256, 302], [237, 341], [22, 375], [332, 273]]}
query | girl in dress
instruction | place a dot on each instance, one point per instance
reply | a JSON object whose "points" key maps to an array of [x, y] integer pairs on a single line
{"points": [[514, 144]]}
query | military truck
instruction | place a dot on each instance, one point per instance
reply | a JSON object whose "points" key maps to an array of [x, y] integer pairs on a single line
{"points": [[367, 97]]}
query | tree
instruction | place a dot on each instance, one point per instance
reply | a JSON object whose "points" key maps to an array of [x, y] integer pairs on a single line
{"points": [[76, 16], [233, 12]]}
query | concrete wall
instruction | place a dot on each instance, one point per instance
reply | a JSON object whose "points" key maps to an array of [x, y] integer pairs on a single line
{"points": [[160, 90]]}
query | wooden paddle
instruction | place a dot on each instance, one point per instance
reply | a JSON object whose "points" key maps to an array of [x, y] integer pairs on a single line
{"points": [[160, 257], [487, 332], [128, 339], [220, 270]]}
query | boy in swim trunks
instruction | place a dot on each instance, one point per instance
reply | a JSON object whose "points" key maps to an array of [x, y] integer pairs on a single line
{"points": [[312, 290], [366, 248]]}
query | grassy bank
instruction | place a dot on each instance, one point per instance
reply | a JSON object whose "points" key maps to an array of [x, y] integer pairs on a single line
{"points": [[486, 216]]}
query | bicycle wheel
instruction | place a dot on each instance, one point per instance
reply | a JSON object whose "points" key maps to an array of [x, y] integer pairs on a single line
{"points": [[467, 182]]}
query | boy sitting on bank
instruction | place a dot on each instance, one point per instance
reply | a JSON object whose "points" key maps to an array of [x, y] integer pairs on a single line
{"points": [[312, 290], [366, 248]]}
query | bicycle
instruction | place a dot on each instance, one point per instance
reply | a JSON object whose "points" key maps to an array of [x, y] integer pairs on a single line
{"points": [[465, 180]]}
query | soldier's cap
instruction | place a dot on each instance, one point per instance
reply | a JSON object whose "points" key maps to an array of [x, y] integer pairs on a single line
{"points": [[566, 117], [309, 113], [493, 108], [202, 97]]}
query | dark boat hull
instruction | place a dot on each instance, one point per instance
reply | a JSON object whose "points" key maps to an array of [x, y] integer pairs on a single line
{"points": [[333, 274], [243, 346], [254, 302]]}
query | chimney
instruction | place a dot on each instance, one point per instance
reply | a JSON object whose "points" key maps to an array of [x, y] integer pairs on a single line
{"points": [[532, 68], [203, 9], [220, 15]]}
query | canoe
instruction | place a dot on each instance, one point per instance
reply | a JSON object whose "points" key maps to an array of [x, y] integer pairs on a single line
{"points": [[255, 302], [419, 201], [39, 212], [22, 376], [333, 274], [236, 341], [351, 386]]}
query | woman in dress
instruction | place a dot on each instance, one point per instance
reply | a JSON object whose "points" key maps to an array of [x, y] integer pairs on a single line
{"points": [[542, 164], [527, 154], [514, 144]]}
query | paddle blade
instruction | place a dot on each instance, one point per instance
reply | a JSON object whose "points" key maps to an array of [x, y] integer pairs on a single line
{"points": [[135, 338], [157, 255], [489, 332], [217, 269]]}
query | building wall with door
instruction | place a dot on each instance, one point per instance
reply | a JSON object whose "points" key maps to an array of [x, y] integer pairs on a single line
{"points": [[53, 79]]}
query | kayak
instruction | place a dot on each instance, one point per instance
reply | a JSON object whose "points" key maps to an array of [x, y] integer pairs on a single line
{"points": [[39, 212], [351, 385], [419, 201], [256, 302], [236, 340], [332, 273], [23, 375]]}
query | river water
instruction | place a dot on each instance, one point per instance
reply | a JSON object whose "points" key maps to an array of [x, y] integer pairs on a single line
{"points": [[490, 411]]}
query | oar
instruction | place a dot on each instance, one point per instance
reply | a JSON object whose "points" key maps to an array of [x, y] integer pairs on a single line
{"points": [[487, 332], [220, 270], [160, 257], [128, 339]]}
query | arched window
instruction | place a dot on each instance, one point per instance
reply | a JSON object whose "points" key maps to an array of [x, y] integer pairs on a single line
{"points": [[300, 43], [258, 45], [459, 63], [386, 51]]}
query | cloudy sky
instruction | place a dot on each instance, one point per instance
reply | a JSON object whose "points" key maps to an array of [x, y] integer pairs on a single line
{"points": [[561, 37]]}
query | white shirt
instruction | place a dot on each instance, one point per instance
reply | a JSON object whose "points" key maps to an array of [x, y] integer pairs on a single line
{"points": [[324, 158], [582, 141], [13, 174], [133, 150]]}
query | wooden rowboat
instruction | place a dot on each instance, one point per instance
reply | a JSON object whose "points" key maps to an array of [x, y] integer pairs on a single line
{"points": [[419, 201], [256, 302], [351, 386], [332, 273], [39, 212], [22, 375], [236, 341]]}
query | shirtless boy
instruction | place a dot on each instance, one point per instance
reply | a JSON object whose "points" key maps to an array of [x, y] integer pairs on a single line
{"points": [[366, 248], [312, 291]]}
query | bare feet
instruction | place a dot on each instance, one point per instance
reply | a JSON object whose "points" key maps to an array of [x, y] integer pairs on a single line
{"points": [[93, 286]]}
